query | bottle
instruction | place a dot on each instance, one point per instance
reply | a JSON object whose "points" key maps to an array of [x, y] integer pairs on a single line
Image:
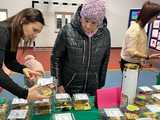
{"points": [[129, 83]]}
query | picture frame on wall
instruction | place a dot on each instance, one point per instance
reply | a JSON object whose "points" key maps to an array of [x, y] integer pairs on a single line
{"points": [[155, 35], [156, 24]]}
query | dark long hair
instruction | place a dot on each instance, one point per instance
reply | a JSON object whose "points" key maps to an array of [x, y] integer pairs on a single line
{"points": [[148, 11], [16, 22]]}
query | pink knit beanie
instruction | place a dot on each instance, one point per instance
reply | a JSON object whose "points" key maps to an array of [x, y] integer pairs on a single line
{"points": [[32, 63], [94, 10]]}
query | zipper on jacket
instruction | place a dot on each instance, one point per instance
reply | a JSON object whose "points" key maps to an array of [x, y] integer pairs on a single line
{"points": [[89, 57], [73, 76], [84, 51]]}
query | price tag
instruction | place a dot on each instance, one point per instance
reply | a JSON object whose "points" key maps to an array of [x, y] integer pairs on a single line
{"points": [[113, 112], [62, 96], [81, 96], [19, 101], [144, 119], [42, 101], [18, 114], [64, 116], [45, 81]]}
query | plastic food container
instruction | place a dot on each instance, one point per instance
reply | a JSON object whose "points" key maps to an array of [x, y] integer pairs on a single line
{"points": [[19, 103], [81, 101], [63, 116], [47, 86], [63, 101], [132, 112], [42, 107], [145, 90], [112, 114], [156, 88], [140, 100], [19, 115]]}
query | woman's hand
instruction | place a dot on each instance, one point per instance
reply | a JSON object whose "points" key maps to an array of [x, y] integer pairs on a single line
{"points": [[34, 94], [61, 89], [155, 56], [31, 74]]}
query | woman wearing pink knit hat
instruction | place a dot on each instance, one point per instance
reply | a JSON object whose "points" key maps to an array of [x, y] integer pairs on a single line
{"points": [[81, 52]]}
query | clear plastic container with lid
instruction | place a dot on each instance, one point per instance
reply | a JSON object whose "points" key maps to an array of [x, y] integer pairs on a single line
{"points": [[156, 88], [47, 86], [19, 115], [63, 116], [3, 108], [42, 107], [19, 103], [140, 100], [145, 90], [132, 112], [63, 101], [81, 101], [112, 114]]}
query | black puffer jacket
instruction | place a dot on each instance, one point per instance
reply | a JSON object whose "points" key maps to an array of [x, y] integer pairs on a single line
{"points": [[80, 63]]}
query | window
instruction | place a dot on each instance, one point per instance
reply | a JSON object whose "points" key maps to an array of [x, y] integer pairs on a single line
{"points": [[59, 21], [62, 19], [3, 14]]}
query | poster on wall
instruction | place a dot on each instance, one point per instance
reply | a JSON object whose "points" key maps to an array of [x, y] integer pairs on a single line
{"points": [[134, 13], [155, 35]]}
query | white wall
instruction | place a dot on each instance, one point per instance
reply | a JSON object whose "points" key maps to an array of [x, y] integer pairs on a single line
{"points": [[117, 15]]}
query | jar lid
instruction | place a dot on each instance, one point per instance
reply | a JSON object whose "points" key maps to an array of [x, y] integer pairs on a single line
{"points": [[131, 66], [132, 108], [141, 97]]}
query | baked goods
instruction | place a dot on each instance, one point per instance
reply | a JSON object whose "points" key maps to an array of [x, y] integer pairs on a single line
{"points": [[42, 107], [63, 101], [81, 101], [47, 86], [19, 115]]}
